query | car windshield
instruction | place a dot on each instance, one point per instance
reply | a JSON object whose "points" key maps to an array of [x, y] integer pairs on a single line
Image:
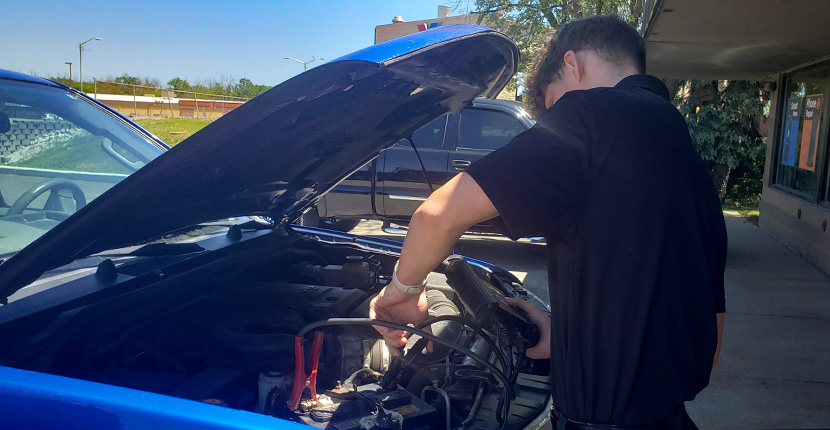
{"points": [[58, 152]]}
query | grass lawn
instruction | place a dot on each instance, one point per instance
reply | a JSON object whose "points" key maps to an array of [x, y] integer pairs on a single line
{"points": [[170, 129], [749, 212]]}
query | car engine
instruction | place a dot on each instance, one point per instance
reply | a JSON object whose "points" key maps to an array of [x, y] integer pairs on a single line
{"points": [[280, 328]]}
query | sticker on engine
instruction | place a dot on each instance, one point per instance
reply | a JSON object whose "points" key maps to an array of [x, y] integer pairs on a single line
{"points": [[406, 409]]}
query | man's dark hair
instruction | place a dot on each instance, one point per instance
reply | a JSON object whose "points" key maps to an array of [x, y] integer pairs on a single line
{"points": [[609, 37]]}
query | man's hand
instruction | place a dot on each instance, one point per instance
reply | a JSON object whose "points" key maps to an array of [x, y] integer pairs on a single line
{"points": [[542, 349], [393, 305]]}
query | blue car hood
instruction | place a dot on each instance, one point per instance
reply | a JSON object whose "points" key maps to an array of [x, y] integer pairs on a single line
{"points": [[278, 153]]}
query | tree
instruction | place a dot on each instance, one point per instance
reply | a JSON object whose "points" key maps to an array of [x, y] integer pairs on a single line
{"points": [[127, 79], [723, 118], [219, 89], [528, 22], [151, 82], [244, 88], [179, 84]]}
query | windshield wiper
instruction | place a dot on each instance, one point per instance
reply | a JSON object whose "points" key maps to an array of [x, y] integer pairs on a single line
{"points": [[156, 250], [159, 249]]}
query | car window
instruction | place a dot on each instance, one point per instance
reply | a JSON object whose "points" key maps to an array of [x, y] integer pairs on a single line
{"points": [[486, 129], [430, 135], [58, 152], [38, 139]]}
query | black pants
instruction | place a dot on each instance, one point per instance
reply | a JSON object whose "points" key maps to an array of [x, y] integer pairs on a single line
{"points": [[678, 421]]}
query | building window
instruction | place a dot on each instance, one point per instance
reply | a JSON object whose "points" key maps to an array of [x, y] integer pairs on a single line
{"points": [[802, 141]]}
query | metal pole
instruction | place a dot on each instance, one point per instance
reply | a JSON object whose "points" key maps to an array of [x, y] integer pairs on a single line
{"points": [[81, 63], [95, 86], [70, 71], [81, 59], [170, 105], [305, 63], [134, 103], [196, 100]]}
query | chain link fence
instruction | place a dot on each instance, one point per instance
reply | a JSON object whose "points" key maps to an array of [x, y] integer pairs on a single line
{"points": [[141, 101]]}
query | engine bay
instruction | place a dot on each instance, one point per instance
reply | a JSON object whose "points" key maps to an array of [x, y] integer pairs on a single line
{"points": [[281, 330]]}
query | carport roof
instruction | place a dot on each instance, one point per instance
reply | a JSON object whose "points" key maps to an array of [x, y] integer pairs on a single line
{"points": [[734, 39]]}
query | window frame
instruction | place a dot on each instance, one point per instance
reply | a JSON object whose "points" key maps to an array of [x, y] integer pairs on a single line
{"points": [[821, 196], [459, 122], [405, 141]]}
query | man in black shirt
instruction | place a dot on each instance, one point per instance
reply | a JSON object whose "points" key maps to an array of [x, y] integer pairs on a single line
{"points": [[635, 234]]}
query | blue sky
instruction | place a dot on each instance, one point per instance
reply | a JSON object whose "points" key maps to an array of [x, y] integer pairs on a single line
{"points": [[193, 40]]}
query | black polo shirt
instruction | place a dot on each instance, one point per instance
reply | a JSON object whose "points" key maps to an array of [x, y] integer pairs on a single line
{"points": [[636, 243]]}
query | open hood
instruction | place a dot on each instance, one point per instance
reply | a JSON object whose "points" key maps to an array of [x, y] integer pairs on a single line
{"points": [[276, 154]]}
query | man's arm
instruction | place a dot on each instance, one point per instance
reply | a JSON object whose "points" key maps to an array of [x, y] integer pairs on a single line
{"points": [[720, 337], [438, 224], [435, 228], [433, 231]]}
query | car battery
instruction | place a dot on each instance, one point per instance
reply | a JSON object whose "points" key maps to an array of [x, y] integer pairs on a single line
{"points": [[350, 410]]}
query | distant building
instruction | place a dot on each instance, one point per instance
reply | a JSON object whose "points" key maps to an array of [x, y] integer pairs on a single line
{"points": [[152, 106], [399, 27]]}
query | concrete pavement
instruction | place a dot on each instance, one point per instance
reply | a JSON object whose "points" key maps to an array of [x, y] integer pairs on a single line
{"points": [[774, 369]]}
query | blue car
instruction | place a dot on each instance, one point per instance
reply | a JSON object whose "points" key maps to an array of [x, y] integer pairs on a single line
{"points": [[148, 287]]}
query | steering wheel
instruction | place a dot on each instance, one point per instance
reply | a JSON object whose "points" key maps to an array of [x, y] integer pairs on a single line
{"points": [[54, 202]]}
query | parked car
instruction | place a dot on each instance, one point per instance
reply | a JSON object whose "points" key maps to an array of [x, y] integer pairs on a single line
{"points": [[392, 186], [144, 287]]}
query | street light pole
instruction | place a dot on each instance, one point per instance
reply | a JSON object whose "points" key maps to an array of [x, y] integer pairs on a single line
{"points": [[70, 71], [305, 63], [81, 59]]}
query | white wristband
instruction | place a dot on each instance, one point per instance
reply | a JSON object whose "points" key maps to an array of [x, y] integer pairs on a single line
{"points": [[408, 289]]}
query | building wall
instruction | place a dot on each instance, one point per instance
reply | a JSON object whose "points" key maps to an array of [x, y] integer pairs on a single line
{"points": [[144, 106], [807, 235], [395, 30], [795, 220]]}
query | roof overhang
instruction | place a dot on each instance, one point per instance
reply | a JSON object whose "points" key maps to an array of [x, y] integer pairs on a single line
{"points": [[734, 39]]}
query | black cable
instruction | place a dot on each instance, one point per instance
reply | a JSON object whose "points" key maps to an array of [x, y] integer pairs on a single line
{"points": [[476, 329], [349, 382], [504, 422], [398, 364], [519, 363], [368, 321], [414, 352], [423, 169], [504, 338]]}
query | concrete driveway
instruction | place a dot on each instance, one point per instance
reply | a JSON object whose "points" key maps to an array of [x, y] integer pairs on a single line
{"points": [[774, 370]]}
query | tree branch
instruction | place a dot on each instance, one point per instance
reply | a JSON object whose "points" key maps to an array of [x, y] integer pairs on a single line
{"points": [[551, 18], [635, 12]]}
